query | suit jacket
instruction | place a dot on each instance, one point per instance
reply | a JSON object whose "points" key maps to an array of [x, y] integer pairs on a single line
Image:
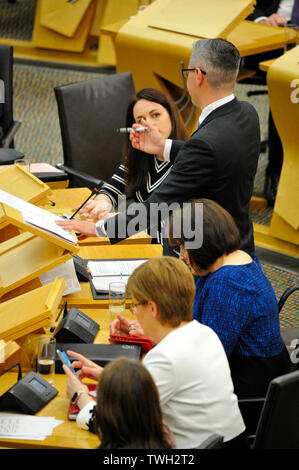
{"points": [[264, 8], [218, 162]]}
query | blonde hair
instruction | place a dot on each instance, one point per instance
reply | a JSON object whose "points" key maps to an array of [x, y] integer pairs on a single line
{"points": [[169, 283]]}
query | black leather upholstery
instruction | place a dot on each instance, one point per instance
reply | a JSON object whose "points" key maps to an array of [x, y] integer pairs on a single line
{"points": [[90, 113], [8, 127]]}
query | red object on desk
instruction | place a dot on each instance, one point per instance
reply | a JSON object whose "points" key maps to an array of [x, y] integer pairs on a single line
{"points": [[145, 343], [73, 410]]}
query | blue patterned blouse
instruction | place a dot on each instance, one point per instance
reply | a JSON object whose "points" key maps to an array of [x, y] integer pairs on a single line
{"points": [[239, 304]]}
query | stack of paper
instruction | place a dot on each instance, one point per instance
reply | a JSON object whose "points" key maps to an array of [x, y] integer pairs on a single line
{"points": [[105, 272], [19, 426]]}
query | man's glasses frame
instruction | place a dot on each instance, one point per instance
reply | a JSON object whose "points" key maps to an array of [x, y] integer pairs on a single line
{"points": [[185, 72]]}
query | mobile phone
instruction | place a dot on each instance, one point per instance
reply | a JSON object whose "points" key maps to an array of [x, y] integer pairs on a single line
{"points": [[65, 360]]}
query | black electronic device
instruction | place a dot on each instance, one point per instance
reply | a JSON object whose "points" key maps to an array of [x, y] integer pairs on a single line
{"points": [[101, 354], [80, 268], [28, 395], [75, 327]]}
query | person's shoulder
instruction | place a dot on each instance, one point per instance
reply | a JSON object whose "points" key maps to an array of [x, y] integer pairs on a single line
{"points": [[247, 107]]}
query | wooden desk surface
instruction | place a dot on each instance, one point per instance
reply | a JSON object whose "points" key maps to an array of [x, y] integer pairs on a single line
{"points": [[65, 436]]}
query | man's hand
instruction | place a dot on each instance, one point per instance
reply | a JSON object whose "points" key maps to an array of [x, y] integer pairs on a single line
{"points": [[86, 227], [274, 20], [150, 141]]}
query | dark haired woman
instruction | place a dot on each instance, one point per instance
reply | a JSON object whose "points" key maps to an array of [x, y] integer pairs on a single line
{"points": [[141, 173], [128, 415], [235, 299]]}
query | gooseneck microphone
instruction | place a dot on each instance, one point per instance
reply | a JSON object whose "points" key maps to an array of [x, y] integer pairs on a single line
{"points": [[93, 192]]}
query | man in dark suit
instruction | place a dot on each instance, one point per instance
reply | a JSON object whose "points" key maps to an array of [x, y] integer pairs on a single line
{"points": [[219, 160], [274, 13]]}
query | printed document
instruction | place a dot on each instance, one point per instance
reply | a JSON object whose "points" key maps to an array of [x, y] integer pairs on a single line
{"points": [[37, 216], [105, 272]]}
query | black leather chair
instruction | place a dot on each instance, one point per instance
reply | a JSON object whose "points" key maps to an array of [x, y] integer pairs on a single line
{"points": [[8, 127], [90, 112], [212, 442], [278, 424], [291, 333]]}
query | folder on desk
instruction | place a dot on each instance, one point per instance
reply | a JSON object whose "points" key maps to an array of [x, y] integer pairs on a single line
{"points": [[105, 271]]}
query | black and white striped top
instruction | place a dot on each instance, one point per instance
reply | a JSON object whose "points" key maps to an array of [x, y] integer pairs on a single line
{"points": [[156, 175]]}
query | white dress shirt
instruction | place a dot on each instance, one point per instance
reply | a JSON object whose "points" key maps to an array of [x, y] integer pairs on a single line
{"points": [[285, 9]]}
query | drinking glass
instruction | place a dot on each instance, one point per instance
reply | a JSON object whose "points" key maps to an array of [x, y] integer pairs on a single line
{"points": [[25, 162], [45, 361], [117, 300]]}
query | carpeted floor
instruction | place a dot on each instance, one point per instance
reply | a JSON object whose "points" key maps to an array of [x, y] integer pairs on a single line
{"points": [[39, 136]]}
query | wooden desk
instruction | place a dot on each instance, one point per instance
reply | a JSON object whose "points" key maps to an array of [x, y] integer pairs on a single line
{"points": [[84, 298], [65, 436], [282, 81]]}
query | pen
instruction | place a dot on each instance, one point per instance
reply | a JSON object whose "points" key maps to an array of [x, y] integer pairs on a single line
{"points": [[129, 129]]}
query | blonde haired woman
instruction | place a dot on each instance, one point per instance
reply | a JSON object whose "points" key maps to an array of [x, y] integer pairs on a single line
{"points": [[188, 363]]}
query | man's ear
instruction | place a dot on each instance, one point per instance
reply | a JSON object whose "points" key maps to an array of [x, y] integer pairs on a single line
{"points": [[198, 76]]}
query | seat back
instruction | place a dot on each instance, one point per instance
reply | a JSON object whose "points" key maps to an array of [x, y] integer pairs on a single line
{"points": [[278, 423], [212, 442], [6, 77], [90, 112]]}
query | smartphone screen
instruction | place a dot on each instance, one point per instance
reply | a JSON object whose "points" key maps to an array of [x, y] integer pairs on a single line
{"points": [[65, 360]]}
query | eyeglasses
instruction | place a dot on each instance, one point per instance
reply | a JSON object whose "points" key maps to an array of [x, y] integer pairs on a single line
{"points": [[185, 72], [133, 306]]}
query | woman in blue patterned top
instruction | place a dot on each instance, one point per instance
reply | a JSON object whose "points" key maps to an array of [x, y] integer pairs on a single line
{"points": [[235, 299]]}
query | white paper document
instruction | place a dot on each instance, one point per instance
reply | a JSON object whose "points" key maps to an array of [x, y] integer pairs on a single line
{"points": [[105, 272], [37, 216], [101, 283], [114, 268], [64, 271], [20, 426]]}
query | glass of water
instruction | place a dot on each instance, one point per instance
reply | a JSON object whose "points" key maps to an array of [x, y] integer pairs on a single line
{"points": [[24, 162], [45, 361], [117, 300]]}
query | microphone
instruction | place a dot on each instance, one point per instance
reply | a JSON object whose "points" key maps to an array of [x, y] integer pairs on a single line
{"points": [[11, 367], [93, 192], [64, 310]]}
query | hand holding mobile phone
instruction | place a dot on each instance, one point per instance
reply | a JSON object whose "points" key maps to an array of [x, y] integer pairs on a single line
{"points": [[65, 360]]}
